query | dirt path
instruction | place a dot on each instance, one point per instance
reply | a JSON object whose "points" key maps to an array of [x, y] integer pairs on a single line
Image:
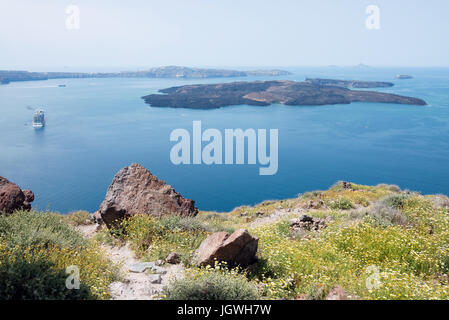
{"points": [[139, 285], [276, 216], [141, 280]]}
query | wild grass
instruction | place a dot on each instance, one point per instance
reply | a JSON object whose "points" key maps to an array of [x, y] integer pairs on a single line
{"points": [[410, 257], [400, 239], [154, 238], [396, 240]]}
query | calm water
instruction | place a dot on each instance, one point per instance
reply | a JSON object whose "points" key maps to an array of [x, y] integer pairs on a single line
{"points": [[97, 126]]}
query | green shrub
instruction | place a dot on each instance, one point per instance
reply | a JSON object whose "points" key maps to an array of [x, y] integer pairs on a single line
{"points": [[178, 223], [23, 228], [39, 264], [35, 250], [36, 280], [390, 187], [395, 201], [211, 286], [341, 203]]}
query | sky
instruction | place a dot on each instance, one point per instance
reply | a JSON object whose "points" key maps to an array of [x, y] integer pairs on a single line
{"points": [[137, 34]]}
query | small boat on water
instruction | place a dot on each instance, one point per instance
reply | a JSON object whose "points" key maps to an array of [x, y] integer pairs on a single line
{"points": [[39, 119], [403, 76]]}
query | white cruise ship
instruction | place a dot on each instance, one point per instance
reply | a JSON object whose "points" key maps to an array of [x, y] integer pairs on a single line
{"points": [[39, 119]]}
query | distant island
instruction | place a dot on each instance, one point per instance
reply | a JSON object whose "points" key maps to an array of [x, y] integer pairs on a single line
{"points": [[349, 83], [7, 76], [362, 66], [263, 93]]}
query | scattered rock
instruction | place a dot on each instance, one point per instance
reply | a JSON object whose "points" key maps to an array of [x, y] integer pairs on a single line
{"points": [[308, 223], [134, 190], [238, 248], [173, 258], [160, 262], [13, 198], [345, 185], [96, 217], [337, 293], [313, 204], [158, 270], [155, 278], [141, 267]]}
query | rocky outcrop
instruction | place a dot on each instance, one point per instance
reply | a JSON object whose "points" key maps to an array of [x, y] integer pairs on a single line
{"points": [[134, 190], [308, 223], [346, 185], [13, 198], [239, 248], [264, 93], [313, 204]]}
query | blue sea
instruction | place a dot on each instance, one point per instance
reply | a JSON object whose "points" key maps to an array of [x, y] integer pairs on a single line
{"points": [[97, 126]]}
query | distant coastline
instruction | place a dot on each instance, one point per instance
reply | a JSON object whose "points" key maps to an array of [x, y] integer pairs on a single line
{"points": [[7, 76]]}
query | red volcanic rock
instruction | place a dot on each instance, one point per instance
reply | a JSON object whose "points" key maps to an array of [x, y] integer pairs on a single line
{"points": [[239, 248], [134, 190], [29, 195], [173, 258], [13, 198]]}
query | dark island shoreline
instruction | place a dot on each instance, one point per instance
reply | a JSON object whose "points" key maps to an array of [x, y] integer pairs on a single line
{"points": [[312, 92]]}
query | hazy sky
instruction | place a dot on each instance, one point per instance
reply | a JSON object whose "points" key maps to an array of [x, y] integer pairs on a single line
{"points": [[146, 33]]}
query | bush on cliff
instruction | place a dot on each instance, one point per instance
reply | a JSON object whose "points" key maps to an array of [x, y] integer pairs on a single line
{"points": [[35, 250], [341, 203], [211, 285], [381, 214], [35, 279], [27, 228], [395, 201]]}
